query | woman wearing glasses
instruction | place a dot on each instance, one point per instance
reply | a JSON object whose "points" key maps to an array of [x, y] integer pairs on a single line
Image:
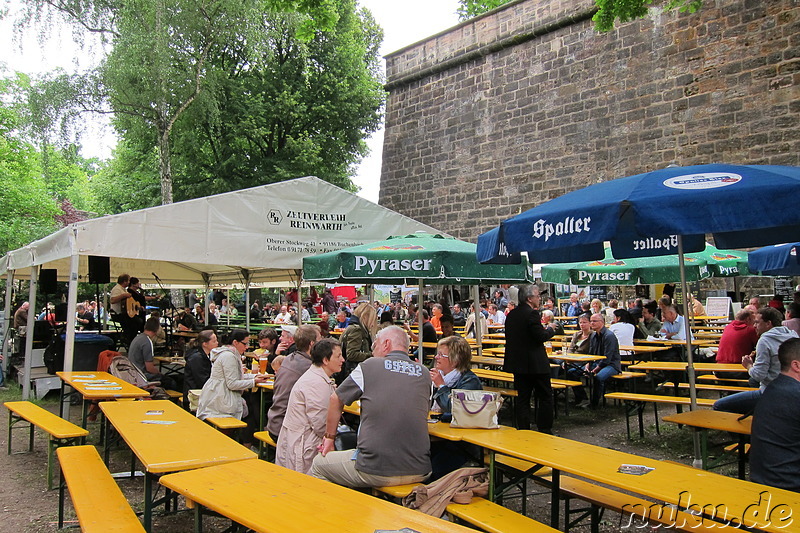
{"points": [[222, 393], [451, 371]]}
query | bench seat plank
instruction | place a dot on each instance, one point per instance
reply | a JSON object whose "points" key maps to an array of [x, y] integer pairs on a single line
{"points": [[495, 518], [47, 421], [226, 422], [99, 503]]}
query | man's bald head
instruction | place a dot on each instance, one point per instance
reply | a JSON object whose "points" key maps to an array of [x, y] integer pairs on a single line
{"points": [[390, 339]]}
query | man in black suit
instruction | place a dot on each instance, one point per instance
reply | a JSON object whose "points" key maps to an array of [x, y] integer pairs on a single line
{"points": [[526, 358]]}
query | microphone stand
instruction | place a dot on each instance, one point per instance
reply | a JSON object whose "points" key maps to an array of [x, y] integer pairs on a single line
{"points": [[167, 320]]}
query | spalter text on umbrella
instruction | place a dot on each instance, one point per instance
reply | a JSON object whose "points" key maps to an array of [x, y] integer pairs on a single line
{"points": [[566, 227]]}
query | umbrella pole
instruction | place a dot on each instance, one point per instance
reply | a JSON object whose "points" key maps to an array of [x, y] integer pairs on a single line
{"points": [[476, 308], [698, 462], [419, 323]]}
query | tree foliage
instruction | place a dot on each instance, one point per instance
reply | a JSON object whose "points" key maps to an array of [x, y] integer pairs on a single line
{"points": [[608, 11], [178, 71], [283, 108], [28, 210]]}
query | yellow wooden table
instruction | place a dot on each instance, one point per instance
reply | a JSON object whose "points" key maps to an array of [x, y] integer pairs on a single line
{"points": [[704, 420], [681, 365], [271, 499], [720, 497], [96, 386], [165, 438]]}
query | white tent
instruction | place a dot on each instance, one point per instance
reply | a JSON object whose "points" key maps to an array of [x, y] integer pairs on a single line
{"points": [[257, 235]]}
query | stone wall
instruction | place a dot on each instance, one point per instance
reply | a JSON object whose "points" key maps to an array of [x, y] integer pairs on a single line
{"points": [[506, 111]]}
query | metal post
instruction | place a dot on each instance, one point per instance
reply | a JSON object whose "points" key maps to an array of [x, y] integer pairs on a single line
{"points": [[26, 382], [476, 307], [419, 323], [7, 319], [698, 461]]}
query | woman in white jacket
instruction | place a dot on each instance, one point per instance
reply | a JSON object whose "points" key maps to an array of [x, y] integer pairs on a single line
{"points": [[307, 411], [222, 393]]}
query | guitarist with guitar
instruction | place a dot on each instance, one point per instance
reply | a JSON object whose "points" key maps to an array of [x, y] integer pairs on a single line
{"points": [[119, 311], [136, 304]]}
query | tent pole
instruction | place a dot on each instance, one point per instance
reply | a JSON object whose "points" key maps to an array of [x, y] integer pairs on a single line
{"points": [[247, 301], [26, 383], [72, 302], [420, 355], [300, 297], [7, 320], [698, 462], [476, 308]]}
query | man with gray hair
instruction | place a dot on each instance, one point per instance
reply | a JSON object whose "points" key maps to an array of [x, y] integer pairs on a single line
{"points": [[526, 358], [393, 444]]}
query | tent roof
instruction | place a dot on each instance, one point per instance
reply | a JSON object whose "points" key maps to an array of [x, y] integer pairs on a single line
{"points": [[263, 232]]}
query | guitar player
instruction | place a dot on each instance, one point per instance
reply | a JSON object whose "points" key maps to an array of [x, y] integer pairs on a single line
{"points": [[137, 305], [118, 303]]}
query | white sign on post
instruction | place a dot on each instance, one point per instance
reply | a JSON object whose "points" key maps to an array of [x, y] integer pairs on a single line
{"points": [[718, 306]]}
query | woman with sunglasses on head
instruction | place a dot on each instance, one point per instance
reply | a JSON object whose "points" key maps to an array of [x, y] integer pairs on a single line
{"points": [[222, 393], [451, 371]]}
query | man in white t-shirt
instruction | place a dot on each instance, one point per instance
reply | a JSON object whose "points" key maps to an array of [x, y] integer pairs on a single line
{"points": [[283, 317]]}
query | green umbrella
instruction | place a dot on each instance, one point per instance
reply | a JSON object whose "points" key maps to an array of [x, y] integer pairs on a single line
{"points": [[436, 259], [414, 260], [647, 270]]}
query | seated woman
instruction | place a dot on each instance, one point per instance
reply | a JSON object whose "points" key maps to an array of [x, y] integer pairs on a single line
{"points": [[304, 424], [451, 371], [624, 326], [198, 363], [222, 393], [580, 345]]}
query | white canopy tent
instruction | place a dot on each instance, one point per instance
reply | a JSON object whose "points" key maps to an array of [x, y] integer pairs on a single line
{"points": [[258, 235]]}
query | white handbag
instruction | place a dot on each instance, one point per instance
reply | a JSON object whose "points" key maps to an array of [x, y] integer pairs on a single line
{"points": [[475, 408]]}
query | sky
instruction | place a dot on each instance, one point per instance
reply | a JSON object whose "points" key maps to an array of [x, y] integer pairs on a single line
{"points": [[403, 22]]}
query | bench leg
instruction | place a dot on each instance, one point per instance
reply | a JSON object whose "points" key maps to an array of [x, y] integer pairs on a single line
{"points": [[61, 486], [10, 424], [640, 412], [30, 439], [655, 411], [198, 518], [51, 450], [148, 501], [556, 491]]}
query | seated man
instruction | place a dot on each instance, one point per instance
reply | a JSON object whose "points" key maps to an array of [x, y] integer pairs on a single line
{"points": [[775, 455], [765, 367], [342, 320], [603, 342], [393, 444], [459, 319], [141, 354], [649, 325], [549, 321], [738, 339], [496, 317], [85, 318]]}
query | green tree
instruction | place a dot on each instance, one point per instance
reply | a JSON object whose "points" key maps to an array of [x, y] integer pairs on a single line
{"points": [[608, 11], [28, 210], [159, 50], [293, 108]]}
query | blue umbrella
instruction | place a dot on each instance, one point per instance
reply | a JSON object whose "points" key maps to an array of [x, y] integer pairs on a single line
{"points": [[778, 260], [644, 215], [662, 212]]}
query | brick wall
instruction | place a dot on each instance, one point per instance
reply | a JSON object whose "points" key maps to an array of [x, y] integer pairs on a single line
{"points": [[528, 102]]}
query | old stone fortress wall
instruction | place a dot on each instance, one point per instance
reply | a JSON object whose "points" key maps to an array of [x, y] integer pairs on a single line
{"points": [[528, 102]]}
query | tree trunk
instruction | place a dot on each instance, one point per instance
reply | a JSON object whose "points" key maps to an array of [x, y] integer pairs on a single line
{"points": [[165, 168]]}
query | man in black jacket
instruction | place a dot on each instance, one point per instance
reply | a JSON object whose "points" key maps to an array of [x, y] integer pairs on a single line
{"points": [[526, 358]]}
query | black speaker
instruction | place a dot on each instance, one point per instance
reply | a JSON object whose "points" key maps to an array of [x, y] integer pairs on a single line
{"points": [[99, 269], [48, 279]]}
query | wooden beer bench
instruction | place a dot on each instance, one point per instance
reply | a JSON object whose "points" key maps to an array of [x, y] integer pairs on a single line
{"points": [[61, 432], [98, 501]]}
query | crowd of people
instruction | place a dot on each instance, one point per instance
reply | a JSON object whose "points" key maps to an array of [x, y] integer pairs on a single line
{"points": [[316, 375]]}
